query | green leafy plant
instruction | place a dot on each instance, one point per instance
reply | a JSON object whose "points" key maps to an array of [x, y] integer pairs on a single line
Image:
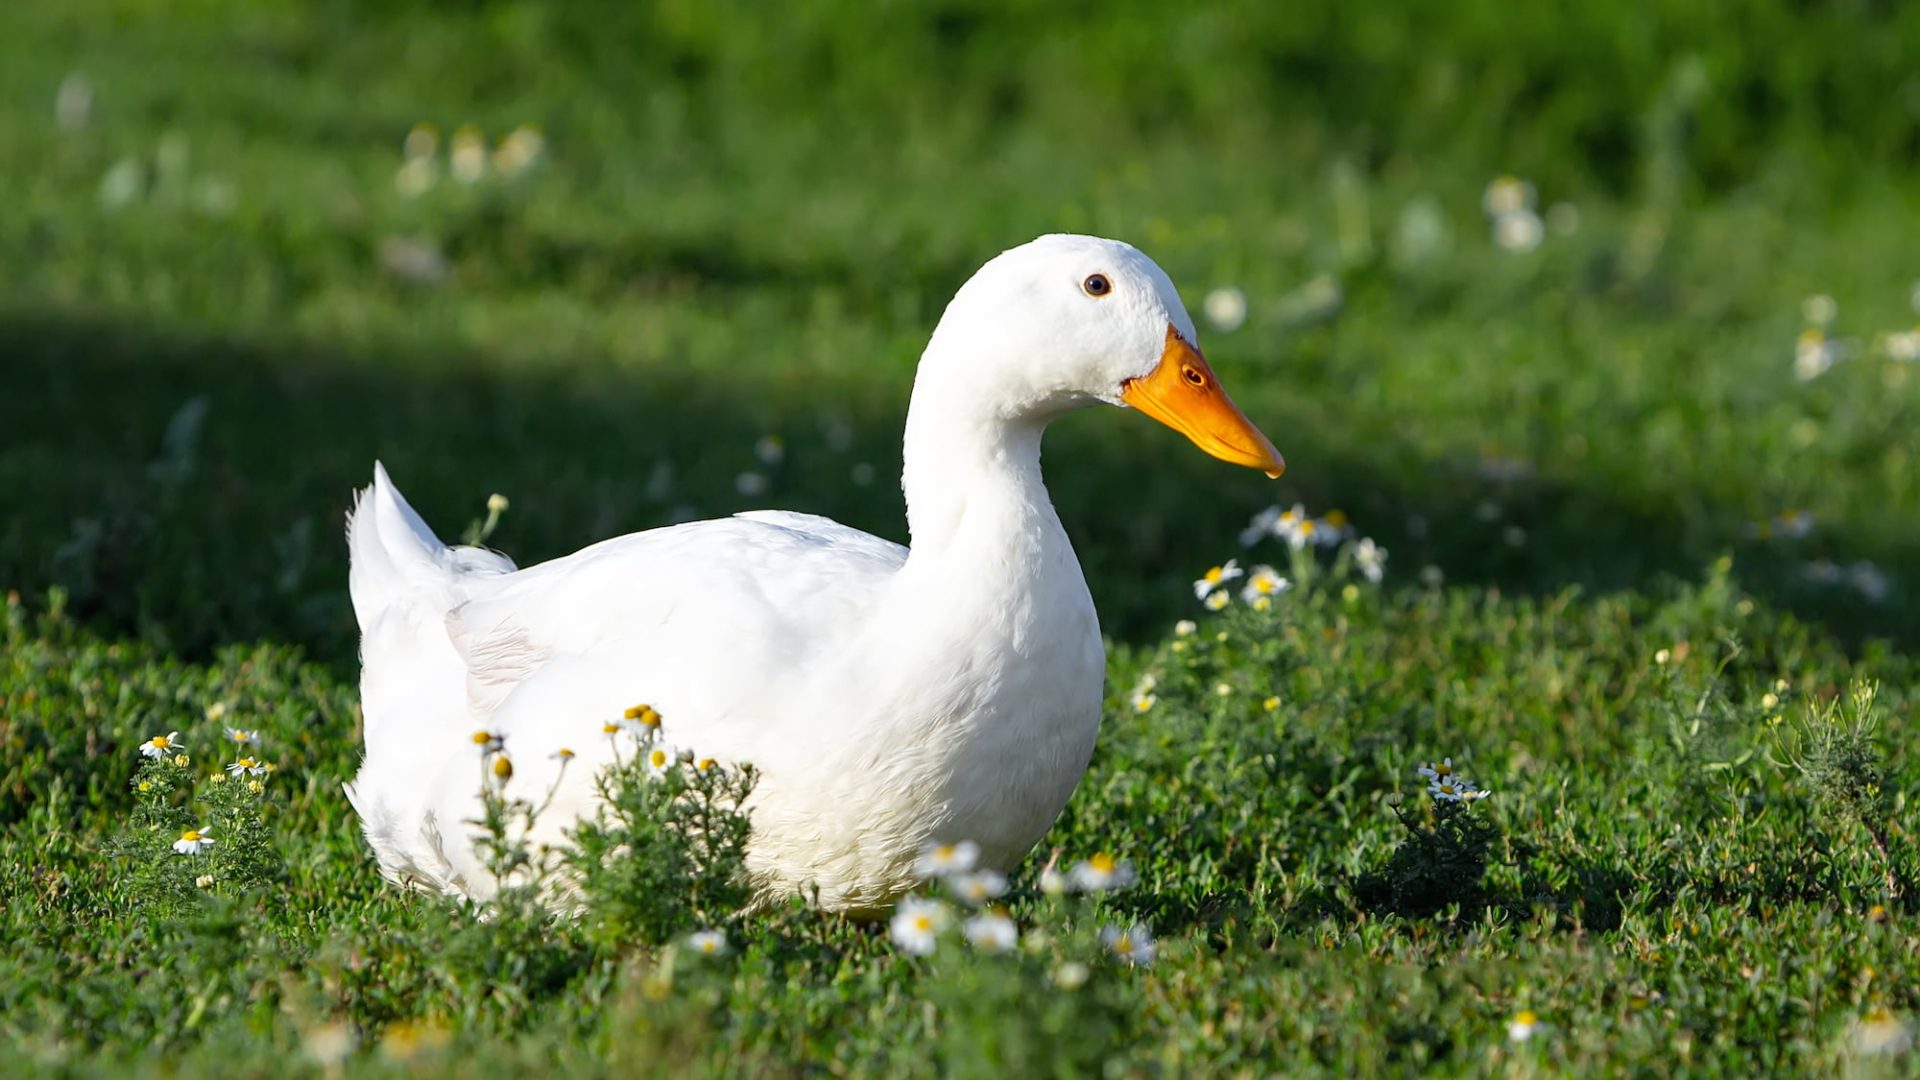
{"points": [[667, 852]]}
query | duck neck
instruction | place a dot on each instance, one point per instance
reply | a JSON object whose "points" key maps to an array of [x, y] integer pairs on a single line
{"points": [[972, 478]]}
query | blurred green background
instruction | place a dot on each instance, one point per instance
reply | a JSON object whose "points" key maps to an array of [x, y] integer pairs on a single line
{"points": [[229, 281]]}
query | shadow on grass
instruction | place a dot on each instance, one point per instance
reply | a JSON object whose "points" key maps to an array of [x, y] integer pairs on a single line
{"points": [[229, 528]]}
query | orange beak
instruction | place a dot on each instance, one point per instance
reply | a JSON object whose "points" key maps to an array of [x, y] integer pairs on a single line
{"points": [[1183, 393]]}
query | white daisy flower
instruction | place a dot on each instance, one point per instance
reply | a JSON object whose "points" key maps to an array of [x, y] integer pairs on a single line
{"points": [[161, 745], [1071, 975], [942, 860], [1101, 873], [978, 887], [1304, 533], [1332, 528], [1225, 308], [708, 942], [1520, 231], [1288, 523], [1143, 701], [489, 742], [917, 924], [1370, 559], [1218, 601], [194, 841], [562, 755], [1506, 195], [991, 932], [519, 150], [1437, 772], [1523, 1025], [1131, 945], [247, 765], [1794, 524], [244, 736], [469, 154], [1184, 627], [1454, 789], [1813, 355], [640, 721], [1216, 577], [1260, 526], [660, 759], [1264, 584]]}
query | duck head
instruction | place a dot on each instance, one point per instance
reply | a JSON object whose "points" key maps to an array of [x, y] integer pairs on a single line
{"points": [[1068, 321]]}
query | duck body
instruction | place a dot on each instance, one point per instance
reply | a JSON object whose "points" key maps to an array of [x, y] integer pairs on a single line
{"points": [[888, 697]]}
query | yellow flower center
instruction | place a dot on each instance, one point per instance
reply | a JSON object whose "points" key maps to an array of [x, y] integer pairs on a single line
{"points": [[645, 714], [610, 727], [658, 758], [1337, 519], [1526, 1017], [161, 742], [1102, 863], [1271, 703], [481, 738], [923, 923], [1213, 576], [1306, 528], [245, 763], [1124, 945], [708, 946], [1443, 769], [704, 764], [502, 768], [564, 754], [191, 836]]}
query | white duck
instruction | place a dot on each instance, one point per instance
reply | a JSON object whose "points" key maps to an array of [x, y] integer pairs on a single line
{"points": [[891, 697]]}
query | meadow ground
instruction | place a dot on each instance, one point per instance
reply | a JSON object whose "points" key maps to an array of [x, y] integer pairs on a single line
{"points": [[1638, 436]]}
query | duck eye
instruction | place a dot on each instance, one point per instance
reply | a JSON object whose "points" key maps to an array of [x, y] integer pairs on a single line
{"points": [[1193, 376], [1097, 285]]}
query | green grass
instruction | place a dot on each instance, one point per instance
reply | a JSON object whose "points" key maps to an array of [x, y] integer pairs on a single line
{"points": [[745, 226]]}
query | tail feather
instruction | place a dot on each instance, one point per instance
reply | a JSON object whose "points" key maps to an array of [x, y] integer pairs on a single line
{"points": [[392, 550], [413, 683]]}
